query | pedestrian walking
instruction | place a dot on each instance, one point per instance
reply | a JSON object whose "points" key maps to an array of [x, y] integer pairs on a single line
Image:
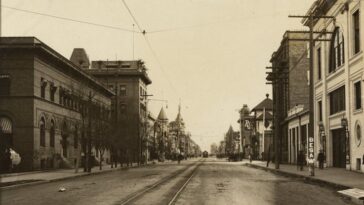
{"points": [[320, 159], [300, 160]]}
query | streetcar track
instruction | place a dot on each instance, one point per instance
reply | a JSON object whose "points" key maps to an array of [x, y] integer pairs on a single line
{"points": [[139, 194], [178, 193]]}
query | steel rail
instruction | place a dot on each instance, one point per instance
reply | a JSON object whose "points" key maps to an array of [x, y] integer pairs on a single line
{"points": [[138, 194]]}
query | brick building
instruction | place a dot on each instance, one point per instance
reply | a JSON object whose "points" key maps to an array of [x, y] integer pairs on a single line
{"points": [[289, 78], [129, 81], [46, 104]]}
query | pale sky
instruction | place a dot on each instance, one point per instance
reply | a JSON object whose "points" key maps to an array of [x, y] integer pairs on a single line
{"points": [[211, 54]]}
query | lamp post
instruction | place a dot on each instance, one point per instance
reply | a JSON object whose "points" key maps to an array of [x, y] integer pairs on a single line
{"points": [[344, 125]]}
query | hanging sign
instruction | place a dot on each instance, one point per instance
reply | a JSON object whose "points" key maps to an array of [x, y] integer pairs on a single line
{"points": [[311, 156]]}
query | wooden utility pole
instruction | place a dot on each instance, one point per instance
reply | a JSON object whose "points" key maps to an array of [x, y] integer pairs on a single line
{"points": [[1, 19], [311, 19]]}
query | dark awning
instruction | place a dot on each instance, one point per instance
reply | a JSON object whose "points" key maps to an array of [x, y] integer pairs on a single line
{"points": [[6, 126]]}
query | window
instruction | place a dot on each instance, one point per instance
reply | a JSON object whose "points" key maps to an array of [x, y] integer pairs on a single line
{"points": [[358, 135], [43, 85], [42, 132], [60, 93], [357, 93], [52, 134], [4, 84], [356, 28], [123, 110], [337, 50], [75, 143], [319, 63], [122, 90], [337, 100], [52, 91], [319, 104]]}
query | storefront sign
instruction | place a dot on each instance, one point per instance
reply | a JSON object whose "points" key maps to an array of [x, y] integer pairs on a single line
{"points": [[311, 156]]}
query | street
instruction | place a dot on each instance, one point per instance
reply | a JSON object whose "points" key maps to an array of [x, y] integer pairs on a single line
{"points": [[200, 181]]}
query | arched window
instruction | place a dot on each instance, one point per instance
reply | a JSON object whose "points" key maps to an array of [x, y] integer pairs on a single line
{"points": [[358, 134], [52, 134], [42, 132], [337, 53]]}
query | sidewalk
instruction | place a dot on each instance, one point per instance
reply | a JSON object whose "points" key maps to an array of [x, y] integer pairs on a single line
{"points": [[338, 177], [13, 180]]}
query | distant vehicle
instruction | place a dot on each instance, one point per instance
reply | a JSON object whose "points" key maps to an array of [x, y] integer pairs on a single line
{"points": [[205, 154]]}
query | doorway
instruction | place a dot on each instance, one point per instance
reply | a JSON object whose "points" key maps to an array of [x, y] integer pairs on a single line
{"points": [[339, 148]]}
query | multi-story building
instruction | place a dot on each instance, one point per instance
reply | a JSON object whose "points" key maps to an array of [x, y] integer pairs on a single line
{"points": [[262, 139], [129, 81], [48, 105], [289, 78], [338, 82]]}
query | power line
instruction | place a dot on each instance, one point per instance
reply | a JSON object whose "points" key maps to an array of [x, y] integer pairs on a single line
{"points": [[132, 16], [68, 19], [160, 66]]}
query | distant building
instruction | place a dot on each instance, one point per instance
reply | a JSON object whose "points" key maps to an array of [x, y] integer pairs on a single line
{"points": [[246, 122], [262, 138], [47, 104], [161, 135], [178, 135], [129, 81]]}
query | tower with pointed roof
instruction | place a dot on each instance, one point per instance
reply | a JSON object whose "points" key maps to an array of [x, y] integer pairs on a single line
{"points": [[162, 134]]}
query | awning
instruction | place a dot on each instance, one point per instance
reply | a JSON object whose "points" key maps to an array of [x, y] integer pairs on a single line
{"points": [[6, 126]]}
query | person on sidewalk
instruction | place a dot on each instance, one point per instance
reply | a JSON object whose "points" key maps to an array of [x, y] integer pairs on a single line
{"points": [[268, 156], [320, 159], [300, 160]]}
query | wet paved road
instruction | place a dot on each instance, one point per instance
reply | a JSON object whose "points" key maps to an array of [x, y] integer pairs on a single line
{"points": [[211, 182]]}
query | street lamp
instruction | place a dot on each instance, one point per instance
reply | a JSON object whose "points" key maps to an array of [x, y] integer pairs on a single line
{"points": [[344, 125]]}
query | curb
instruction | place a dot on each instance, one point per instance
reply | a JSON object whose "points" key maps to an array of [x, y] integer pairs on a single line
{"points": [[305, 178], [70, 177]]}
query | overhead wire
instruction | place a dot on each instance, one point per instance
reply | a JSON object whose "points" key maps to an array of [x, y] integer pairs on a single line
{"points": [[160, 66], [68, 19], [133, 17]]}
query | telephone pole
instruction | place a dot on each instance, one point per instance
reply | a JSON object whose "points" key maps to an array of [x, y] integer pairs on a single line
{"points": [[310, 23], [1, 19]]}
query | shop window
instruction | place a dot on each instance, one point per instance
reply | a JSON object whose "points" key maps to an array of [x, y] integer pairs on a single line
{"points": [[357, 95], [4, 84], [42, 132], [356, 33], [336, 50], [337, 100]]}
